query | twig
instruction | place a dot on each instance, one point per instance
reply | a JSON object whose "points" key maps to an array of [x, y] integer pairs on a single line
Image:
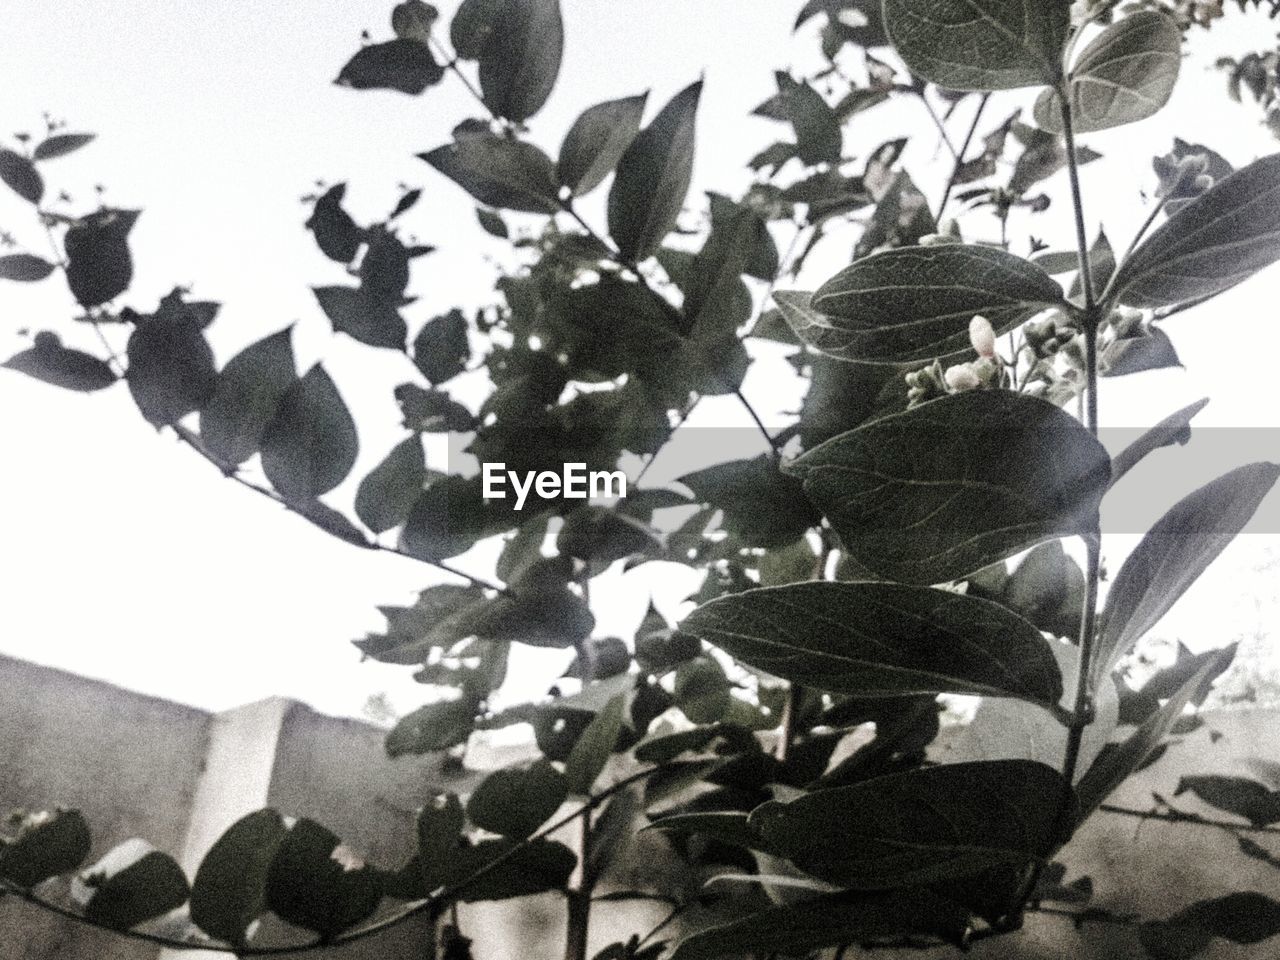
{"points": [[1174, 815], [964, 150]]}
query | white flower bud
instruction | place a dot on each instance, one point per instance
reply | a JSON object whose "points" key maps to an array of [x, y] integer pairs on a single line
{"points": [[983, 336], [961, 378]]}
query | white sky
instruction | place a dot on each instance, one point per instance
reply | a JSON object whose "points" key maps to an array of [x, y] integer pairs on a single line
{"points": [[127, 558]]}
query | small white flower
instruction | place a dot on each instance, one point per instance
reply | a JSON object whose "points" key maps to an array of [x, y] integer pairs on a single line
{"points": [[961, 378], [983, 336]]}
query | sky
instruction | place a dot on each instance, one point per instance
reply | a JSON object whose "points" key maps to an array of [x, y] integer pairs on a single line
{"points": [[127, 558]]}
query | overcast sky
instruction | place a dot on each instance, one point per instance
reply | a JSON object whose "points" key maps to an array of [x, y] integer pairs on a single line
{"points": [[127, 558]]}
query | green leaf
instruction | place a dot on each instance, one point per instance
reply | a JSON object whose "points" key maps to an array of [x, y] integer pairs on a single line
{"points": [[1216, 241], [878, 639], [229, 892], [816, 124], [602, 536], [514, 802], [594, 747], [980, 44], [955, 484], [520, 59], [473, 24], [596, 141], [433, 727], [362, 317], [440, 824], [653, 178], [1126, 74], [702, 690], [1151, 350], [829, 921], [60, 144], [312, 884], [1114, 764], [413, 19], [20, 175], [499, 172], [336, 234], [432, 411], [526, 869], [385, 497], [50, 361], [1244, 917], [132, 884], [441, 349], [99, 265], [250, 388], [492, 223], [1246, 798], [24, 267], [171, 371], [310, 445], [915, 303], [400, 64], [442, 615], [1175, 428], [762, 505], [447, 519], [46, 846], [922, 826], [1173, 555], [1047, 589]]}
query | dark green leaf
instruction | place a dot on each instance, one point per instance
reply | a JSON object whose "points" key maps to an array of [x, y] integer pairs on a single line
{"points": [[527, 869], [447, 519], [882, 639], [594, 747], [50, 361], [413, 19], [435, 726], [816, 125], [130, 889], [432, 411], [1116, 763], [1102, 262], [363, 317], [60, 144], [99, 266], [980, 44], [520, 59], [514, 802], [1221, 238], [441, 350], [955, 484], [1153, 350], [442, 616], [250, 388], [702, 690], [1175, 428], [915, 303], [473, 24], [602, 536], [922, 826], [492, 223], [653, 178], [385, 497], [1174, 553], [403, 65], [499, 172], [24, 267], [21, 176], [331, 521], [829, 921], [46, 846], [311, 884], [1246, 798], [229, 892], [310, 445], [1126, 74], [1245, 917], [596, 141], [901, 218], [762, 505], [336, 233], [171, 370]]}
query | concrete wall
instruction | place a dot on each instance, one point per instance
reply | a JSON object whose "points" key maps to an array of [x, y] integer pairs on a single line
{"points": [[178, 777]]}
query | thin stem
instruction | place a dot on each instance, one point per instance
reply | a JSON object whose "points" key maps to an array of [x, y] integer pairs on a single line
{"points": [[1133, 245], [1073, 168], [1174, 815], [964, 150], [451, 64], [229, 471], [942, 128], [579, 901]]}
